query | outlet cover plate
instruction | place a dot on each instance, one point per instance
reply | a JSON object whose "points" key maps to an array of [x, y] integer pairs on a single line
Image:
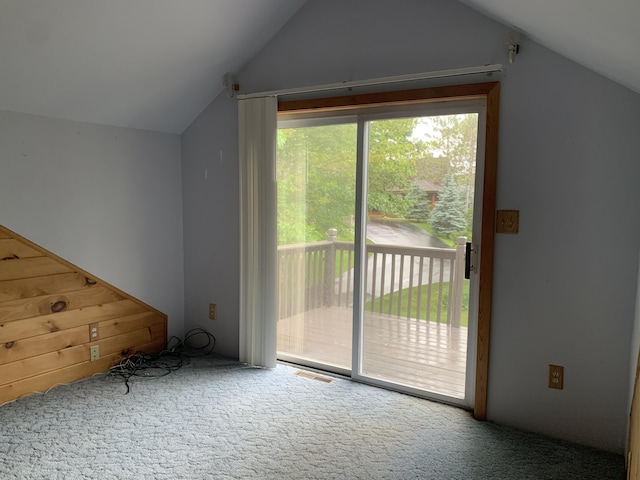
{"points": [[507, 221], [94, 332], [556, 377], [95, 353]]}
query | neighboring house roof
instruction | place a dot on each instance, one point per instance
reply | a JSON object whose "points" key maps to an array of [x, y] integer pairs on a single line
{"points": [[427, 185]]}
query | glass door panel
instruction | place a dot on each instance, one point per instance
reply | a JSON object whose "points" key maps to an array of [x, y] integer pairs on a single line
{"points": [[421, 177], [316, 178]]}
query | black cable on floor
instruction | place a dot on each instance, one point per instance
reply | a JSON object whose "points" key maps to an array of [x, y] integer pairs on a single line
{"points": [[197, 343]]}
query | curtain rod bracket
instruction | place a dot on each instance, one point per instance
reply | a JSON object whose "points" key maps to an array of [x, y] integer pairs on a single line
{"points": [[230, 85], [513, 44]]}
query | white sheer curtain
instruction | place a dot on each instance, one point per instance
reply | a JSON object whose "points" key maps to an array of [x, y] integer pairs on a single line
{"points": [[257, 122]]}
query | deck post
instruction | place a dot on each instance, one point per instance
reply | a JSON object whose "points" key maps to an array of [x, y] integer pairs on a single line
{"points": [[329, 268], [458, 281]]}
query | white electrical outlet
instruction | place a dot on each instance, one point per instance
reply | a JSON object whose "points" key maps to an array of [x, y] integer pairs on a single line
{"points": [[95, 353]]}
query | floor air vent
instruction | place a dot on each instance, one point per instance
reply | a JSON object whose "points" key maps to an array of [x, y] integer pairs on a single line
{"points": [[313, 376]]}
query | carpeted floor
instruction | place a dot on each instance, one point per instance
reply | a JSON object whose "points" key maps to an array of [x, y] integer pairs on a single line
{"points": [[218, 419]]}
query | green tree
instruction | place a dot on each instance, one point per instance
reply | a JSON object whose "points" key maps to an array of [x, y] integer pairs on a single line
{"points": [[393, 153], [452, 144], [315, 171], [448, 216], [316, 175], [420, 205]]}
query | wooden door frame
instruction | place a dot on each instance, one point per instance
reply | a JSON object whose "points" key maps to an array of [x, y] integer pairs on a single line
{"points": [[490, 93]]}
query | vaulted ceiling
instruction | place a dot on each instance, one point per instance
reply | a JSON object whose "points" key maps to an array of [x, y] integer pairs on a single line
{"points": [[150, 64], [155, 64], [603, 35]]}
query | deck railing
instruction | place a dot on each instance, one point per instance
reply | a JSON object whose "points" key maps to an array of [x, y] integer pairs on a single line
{"points": [[413, 282]]}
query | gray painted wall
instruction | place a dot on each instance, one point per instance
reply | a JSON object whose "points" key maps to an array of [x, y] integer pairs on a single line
{"points": [[107, 199], [211, 222], [564, 287]]}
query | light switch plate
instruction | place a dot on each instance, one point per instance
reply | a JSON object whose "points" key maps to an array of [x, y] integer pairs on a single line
{"points": [[507, 221]]}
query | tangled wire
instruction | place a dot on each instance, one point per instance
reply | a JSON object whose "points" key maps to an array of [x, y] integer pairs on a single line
{"points": [[197, 343]]}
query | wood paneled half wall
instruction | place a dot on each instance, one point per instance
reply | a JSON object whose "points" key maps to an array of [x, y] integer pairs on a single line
{"points": [[53, 315], [633, 448]]}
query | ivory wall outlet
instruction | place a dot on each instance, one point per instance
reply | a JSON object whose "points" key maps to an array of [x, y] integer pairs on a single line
{"points": [[95, 353], [94, 334]]}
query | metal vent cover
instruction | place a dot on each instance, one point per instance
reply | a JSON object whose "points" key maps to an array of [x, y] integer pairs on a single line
{"points": [[313, 376]]}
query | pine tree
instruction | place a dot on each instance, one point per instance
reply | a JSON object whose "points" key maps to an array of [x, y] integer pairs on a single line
{"points": [[420, 204], [448, 215]]}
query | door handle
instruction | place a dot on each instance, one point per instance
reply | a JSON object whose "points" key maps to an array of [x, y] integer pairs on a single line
{"points": [[468, 265]]}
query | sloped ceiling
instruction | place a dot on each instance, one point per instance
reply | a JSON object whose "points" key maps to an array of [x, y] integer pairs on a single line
{"points": [[150, 64], [603, 35], [156, 64]]}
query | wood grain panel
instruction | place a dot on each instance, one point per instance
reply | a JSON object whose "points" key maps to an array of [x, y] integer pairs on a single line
{"points": [[48, 285], [401, 97], [72, 268], [44, 305], [156, 345], [633, 448], [19, 329], [32, 366], [126, 343], [12, 249], [31, 267], [485, 282], [40, 364], [128, 324], [47, 309], [46, 381], [33, 346]]}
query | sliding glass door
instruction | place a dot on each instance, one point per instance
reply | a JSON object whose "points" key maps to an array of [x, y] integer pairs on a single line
{"points": [[374, 211]]}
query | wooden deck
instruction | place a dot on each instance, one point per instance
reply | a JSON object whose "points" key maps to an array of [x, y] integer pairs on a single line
{"points": [[425, 355]]}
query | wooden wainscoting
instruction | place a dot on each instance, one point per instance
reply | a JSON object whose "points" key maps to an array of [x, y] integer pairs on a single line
{"points": [[51, 315], [633, 448]]}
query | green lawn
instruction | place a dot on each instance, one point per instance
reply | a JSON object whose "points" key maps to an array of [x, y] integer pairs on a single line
{"points": [[427, 228], [464, 316]]}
